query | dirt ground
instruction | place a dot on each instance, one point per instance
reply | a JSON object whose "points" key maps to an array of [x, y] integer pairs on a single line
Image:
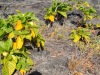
{"points": [[59, 49]]}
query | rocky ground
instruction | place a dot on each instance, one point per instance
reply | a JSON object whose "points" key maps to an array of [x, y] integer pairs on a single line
{"points": [[59, 49]]}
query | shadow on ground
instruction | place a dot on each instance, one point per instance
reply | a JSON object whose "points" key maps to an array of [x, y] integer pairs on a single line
{"points": [[35, 73]]}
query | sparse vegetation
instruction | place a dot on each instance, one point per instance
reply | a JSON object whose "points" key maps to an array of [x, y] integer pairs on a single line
{"points": [[77, 43]]}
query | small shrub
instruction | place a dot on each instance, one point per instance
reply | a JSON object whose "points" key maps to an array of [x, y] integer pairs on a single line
{"points": [[57, 11], [88, 11], [80, 34], [13, 32]]}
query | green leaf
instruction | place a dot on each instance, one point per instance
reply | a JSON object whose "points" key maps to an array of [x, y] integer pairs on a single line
{"points": [[7, 30], [1, 32], [24, 32], [2, 45], [34, 18], [16, 32], [87, 33], [63, 13], [72, 36], [14, 58], [10, 67], [18, 66], [92, 10], [8, 44], [46, 16], [5, 46], [36, 31], [30, 16], [4, 71], [29, 61]]}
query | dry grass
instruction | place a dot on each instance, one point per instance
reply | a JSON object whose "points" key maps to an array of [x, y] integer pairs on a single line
{"points": [[83, 62], [77, 64]]}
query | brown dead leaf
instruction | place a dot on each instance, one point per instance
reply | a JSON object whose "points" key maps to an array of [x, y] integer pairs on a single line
{"points": [[78, 73], [52, 34]]}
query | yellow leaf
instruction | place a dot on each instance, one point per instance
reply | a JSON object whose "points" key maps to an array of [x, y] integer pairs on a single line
{"points": [[52, 34], [90, 17], [18, 11], [32, 23], [5, 54], [11, 35], [87, 25], [76, 38], [33, 33], [84, 18], [19, 25], [38, 44], [42, 43], [78, 73], [14, 45], [77, 7], [29, 37], [51, 18], [14, 58], [19, 42], [87, 4], [87, 38], [22, 72], [98, 25]]}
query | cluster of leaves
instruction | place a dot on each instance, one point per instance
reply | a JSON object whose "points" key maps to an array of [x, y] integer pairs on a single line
{"points": [[88, 11], [57, 11], [80, 34], [13, 32]]}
